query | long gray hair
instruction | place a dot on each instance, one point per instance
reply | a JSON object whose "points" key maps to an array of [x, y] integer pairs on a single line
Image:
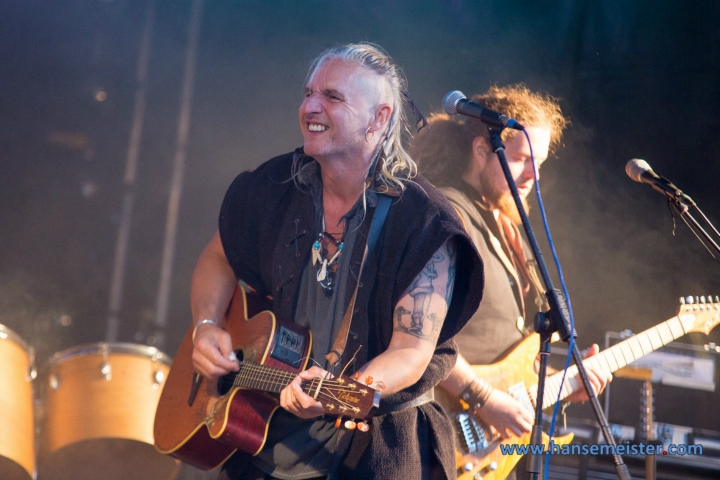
{"points": [[395, 166]]}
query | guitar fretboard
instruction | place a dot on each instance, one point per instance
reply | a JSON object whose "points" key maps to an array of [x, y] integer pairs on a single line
{"points": [[612, 359], [338, 396], [260, 377]]}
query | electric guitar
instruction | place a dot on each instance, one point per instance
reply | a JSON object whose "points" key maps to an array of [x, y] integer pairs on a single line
{"points": [[478, 453], [204, 422]]}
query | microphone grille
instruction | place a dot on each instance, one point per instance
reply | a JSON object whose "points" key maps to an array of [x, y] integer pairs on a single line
{"points": [[635, 168], [450, 101]]}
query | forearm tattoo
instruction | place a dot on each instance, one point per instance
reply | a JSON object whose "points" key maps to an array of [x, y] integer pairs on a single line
{"points": [[420, 322]]}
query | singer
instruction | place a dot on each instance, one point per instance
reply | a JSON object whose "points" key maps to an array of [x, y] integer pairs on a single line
{"points": [[454, 154], [295, 229]]}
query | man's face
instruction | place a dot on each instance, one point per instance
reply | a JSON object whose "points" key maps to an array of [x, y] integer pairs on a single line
{"points": [[339, 106], [517, 150]]}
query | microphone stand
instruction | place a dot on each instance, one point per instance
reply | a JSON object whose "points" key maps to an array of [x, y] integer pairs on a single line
{"points": [[555, 319], [676, 201]]}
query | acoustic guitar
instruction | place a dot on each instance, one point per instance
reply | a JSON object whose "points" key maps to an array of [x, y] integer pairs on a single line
{"points": [[204, 422], [478, 452]]}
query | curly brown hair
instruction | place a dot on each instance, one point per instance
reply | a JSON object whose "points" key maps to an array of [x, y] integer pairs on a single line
{"points": [[442, 151]]}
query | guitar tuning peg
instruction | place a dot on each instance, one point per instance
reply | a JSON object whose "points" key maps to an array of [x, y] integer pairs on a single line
{"points": [[697, 299], [702, 299], [363, 427], [350, 424], [717, 299], [338, 422], [682, 300], [356, 376], [689, 300], [368, 380]]}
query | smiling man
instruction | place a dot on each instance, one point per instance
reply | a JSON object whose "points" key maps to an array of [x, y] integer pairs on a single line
{"points": [[296, 229]]}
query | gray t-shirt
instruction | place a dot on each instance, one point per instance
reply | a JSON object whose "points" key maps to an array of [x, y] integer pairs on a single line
{"points": [[298, 448]]}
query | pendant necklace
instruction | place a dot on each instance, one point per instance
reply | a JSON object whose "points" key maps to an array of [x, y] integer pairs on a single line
{"points": [[326, 267]]}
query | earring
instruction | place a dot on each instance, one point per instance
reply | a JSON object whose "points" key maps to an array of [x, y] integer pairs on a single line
{"points": [[372, 135]]}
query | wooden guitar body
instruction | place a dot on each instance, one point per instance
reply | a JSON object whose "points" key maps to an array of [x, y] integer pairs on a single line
{"points": [[206, 432]]}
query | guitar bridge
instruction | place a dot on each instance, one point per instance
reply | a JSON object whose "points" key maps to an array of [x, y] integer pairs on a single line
{"points": [[472, 435]]}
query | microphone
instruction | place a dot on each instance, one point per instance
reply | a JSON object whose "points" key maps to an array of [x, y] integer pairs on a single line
{"points": [[640, 171], [456, 103]]}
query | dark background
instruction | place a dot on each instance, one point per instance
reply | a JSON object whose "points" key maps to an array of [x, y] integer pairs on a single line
{"points": [[637, 79]]}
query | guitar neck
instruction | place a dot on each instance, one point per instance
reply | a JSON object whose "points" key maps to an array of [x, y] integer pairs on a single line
{"points": [[254, 376], [339, 396], [612, 359], [260, 377]]}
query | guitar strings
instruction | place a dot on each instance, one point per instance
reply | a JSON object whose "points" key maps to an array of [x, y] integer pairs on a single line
{"points": [[266, 374], [269, 376], [620, 354]]}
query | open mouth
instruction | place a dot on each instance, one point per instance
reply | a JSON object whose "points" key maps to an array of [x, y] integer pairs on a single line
{"points": [[316, 127]]}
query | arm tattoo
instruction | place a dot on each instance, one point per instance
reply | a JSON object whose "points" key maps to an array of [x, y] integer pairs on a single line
{"points": [[421, 292]]}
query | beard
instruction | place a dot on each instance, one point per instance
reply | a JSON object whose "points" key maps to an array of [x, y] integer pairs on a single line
{"points": [[502, 199], [506, 204]]}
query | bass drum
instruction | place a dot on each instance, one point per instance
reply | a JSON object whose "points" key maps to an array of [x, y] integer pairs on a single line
{"points": [[99, 414], [17, 444]]}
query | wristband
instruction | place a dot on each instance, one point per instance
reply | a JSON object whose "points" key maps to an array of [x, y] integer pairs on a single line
{"points": [[477, 393], [207, 320]]}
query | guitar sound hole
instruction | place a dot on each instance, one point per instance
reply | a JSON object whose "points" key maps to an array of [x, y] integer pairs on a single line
{"points": [[225, 383]]}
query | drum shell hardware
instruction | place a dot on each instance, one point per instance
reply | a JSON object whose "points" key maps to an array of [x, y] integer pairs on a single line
{"points": [[99, 413], [17, 444]]}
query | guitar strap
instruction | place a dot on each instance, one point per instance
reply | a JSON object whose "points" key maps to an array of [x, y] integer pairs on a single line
{"points": [[338, 347], [355, 444]]}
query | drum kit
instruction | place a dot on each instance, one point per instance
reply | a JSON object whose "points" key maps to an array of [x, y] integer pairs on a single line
{"points": [[93, 405]]}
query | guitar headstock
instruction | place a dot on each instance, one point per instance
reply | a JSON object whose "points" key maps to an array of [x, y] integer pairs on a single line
{"points": [[344, 397], [699, 314]]}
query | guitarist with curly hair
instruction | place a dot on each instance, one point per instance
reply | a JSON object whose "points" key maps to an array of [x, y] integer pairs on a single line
{"points": [[455, 155]]}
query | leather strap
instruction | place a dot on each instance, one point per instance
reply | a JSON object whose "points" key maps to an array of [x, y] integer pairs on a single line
{"points": [[426, 397], [378, 220]]}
